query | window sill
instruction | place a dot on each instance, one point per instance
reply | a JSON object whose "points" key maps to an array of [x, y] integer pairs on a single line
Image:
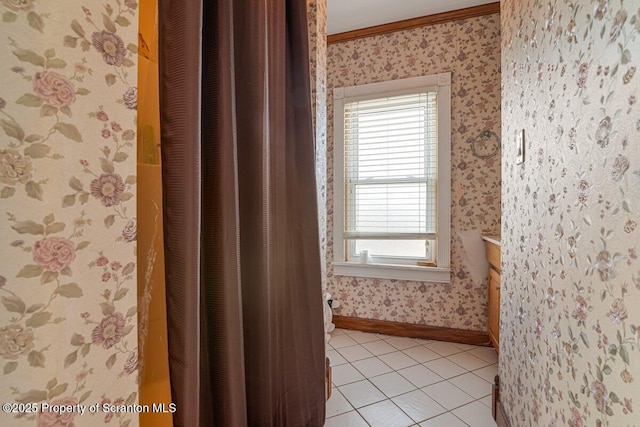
{"points": [[393, 271]]}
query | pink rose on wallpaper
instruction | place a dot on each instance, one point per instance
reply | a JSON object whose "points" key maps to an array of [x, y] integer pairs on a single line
{"points": [[102, 261], [618, 22], [620, 166], [131, 364], [604, 265], [108, 189], [102, 116], [54, 88], [535, 410], [129, 233], [603, 132], [14, 167], [581, 308], [54, 419], [111, 47], [15, 341], [600, 10], [576, 418], [54, 253], [109, 415], [130, 98], [109, 331], [617, 311]]}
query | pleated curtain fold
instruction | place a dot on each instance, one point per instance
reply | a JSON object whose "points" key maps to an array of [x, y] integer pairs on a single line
{"points": [[244, 299]]}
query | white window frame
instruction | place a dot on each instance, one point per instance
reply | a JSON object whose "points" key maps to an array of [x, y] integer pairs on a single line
{"points": [[381, 268]]}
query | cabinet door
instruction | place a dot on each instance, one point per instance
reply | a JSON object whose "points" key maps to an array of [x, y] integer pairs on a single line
{"points": [[494, 308]]}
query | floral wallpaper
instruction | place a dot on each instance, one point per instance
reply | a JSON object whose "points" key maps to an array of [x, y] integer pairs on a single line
{"points": [[471, 50], [318, 69], [317, 21], [570, 331], [67, 202]]}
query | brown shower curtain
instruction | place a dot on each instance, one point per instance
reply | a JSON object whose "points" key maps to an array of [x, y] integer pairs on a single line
{"points": [[246, 339]]}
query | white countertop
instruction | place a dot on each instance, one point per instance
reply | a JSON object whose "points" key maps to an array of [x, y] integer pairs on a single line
{"points": [[492, 239]]}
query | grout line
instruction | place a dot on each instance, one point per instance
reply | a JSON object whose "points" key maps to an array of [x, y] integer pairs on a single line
{"points": [[389, 399], [336, 390], [368, 378]]}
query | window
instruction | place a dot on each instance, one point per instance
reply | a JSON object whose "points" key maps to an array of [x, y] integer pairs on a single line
{"points": [[392, 179]]}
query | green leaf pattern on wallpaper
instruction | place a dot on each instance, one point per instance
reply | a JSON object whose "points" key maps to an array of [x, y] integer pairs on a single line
{"points": [[68, 100], [570, 334]]}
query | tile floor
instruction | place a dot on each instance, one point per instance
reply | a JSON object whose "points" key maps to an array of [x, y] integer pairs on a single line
{"points": [[385, 381]]}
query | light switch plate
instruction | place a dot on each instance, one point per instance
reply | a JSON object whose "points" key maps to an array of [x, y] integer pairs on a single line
{"points": [[520, 145]]}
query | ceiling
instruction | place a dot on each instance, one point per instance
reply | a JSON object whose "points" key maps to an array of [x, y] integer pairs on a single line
{"points": [[347, 15]]}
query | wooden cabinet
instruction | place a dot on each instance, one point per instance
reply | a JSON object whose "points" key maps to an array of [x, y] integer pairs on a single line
{"points": [[327, 374], [494, 308], [493, 256]]}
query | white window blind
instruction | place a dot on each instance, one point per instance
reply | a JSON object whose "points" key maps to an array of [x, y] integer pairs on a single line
{"points": [[390, 155]]}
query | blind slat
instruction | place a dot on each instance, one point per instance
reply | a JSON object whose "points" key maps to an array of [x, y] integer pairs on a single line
{"points": [[390, 236]]}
